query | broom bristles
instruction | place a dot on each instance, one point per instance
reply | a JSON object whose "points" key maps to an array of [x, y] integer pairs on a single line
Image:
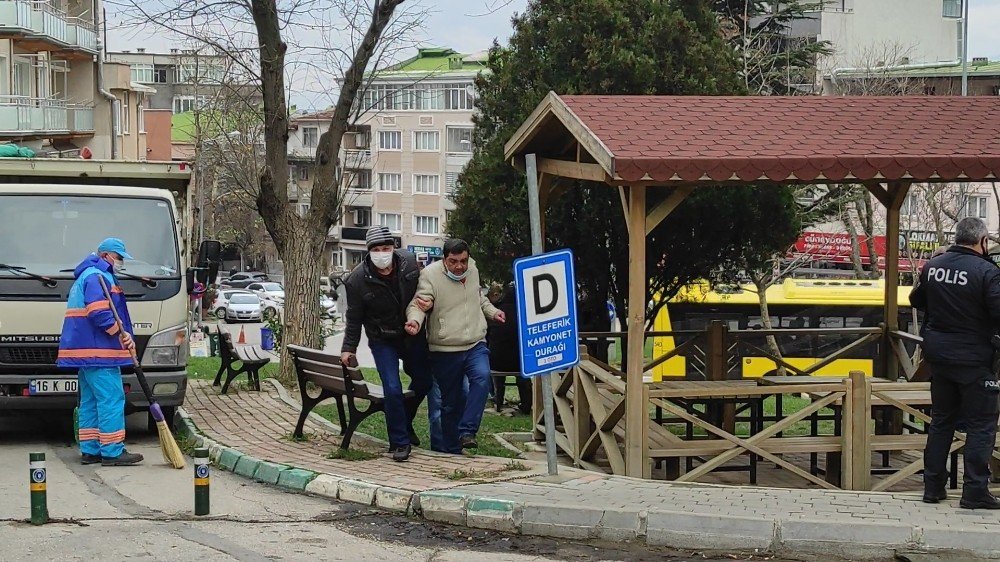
{"points": [[168, 445]]}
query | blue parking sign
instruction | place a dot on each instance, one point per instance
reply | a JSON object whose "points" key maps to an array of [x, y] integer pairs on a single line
{"points": [[546, 312]]}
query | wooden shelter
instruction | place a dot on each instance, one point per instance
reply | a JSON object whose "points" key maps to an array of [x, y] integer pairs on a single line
{"points": [[682, 143]]}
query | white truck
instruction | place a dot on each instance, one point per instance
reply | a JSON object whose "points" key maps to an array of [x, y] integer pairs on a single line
{"points": [[46, 228]]}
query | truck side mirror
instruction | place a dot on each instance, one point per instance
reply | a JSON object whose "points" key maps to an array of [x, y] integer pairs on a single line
{"points": [[209, 256]]}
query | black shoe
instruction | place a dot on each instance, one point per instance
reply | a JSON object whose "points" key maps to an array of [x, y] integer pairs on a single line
{"points": [[400, 454], [414, 440], [468, 442], [982, 502], [934, 496], [124, 459], [89, 459]]}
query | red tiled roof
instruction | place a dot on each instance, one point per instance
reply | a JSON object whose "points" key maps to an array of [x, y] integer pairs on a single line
{"points": [[689, 138]]}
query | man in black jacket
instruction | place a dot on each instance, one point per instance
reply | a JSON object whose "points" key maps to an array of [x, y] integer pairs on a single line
{"points": [[505, 351], [378, 291], [959, 291]]}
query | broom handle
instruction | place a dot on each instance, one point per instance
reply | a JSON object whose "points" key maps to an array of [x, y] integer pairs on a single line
{"points": [[121, 329]]}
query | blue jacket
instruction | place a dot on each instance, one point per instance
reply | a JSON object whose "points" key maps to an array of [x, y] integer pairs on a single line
{"points": [[90, 334]]}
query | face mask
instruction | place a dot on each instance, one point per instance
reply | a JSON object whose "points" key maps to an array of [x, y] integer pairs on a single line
{"points": [[118, 266], [454, 277], [381, 260]]}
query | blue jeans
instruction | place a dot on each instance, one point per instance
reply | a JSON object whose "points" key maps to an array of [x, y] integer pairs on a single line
{"points": [[461, 412], [434, 415], [102, 411], [387, 356]]}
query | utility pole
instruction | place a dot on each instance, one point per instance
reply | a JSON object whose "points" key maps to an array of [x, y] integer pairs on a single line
{"points": [[965, 47]]}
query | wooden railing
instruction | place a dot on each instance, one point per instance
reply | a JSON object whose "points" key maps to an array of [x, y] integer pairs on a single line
{"points": [[697, 420]]}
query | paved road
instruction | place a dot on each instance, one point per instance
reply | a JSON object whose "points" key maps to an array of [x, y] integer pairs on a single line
{"points": [[146, 513]]}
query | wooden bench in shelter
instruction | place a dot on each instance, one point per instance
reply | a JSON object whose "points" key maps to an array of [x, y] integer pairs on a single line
{"points": [[250, 358], [334, 380]]}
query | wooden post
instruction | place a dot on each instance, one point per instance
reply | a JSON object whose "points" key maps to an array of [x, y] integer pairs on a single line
{"points": [[861, 454], [897, 195], [581, 412], [636, 415]]}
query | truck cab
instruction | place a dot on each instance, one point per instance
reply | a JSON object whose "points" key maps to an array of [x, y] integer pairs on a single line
{"points": [[46, 230]]}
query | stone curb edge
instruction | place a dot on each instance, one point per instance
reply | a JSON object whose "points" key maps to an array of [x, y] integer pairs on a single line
{"points": [[674, 529]]}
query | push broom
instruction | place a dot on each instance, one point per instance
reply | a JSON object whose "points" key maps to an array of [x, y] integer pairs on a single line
{"points": [[171, 452]]}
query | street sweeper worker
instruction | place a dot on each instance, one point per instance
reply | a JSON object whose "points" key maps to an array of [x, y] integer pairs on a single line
{"points": [[92, 343]]}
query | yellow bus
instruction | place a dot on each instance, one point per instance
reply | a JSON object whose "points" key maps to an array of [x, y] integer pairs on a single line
{"points": [[795, 303]]}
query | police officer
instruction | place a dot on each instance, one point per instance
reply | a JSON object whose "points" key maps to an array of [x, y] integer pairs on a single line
{"points": [[959, 292]]}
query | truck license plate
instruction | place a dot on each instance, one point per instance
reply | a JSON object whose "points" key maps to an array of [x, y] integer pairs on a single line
{"points": [[52, 386]]}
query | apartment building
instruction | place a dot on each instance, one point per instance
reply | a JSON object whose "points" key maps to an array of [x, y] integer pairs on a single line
{"points": [[403, 155], [184, 79], [869, 33], [49, 97]]}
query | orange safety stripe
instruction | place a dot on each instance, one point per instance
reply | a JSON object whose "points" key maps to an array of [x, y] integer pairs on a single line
{"points": [[116, 289], [76, 313], [89, 436], [112, 330], [99, 305], [91, 353], [109, 438]]}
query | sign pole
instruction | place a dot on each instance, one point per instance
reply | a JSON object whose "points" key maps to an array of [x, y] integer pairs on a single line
{"points": [[534, 214]]}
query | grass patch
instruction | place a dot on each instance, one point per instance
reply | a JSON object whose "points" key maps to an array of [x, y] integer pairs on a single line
{"points": [[352, 455], [306, 437], [479, 475]]}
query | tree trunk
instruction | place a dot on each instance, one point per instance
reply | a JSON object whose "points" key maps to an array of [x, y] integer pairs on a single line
{"points": [[852, 232], [868, 224], [301, 323], [765, 320]]}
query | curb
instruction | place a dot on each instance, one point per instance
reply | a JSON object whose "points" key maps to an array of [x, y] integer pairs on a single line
{"points": [[675, 529]]}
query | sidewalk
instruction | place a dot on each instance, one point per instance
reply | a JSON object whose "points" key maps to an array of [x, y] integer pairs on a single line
{"points": [[247, 433]]}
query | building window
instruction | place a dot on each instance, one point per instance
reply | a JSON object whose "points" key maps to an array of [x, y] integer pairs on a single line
{"points": [[183, 104], [390, 182], [303, 172], [126, 110], [951, 8], [419, 97], [459, 96], [426, 225], [911, 205], [460, 139], [336, 259], [140, 115], [143, 73], [201, 71], [427, 141], [160, 75], [392, 221], [450, 183], [310, 137], [390, 140], [427, 184], [303, 209], [976, 206], [961, 39]]}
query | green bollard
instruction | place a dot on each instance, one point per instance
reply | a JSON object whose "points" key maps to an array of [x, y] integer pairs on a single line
{"points": [[36, 477], [201, 477]]}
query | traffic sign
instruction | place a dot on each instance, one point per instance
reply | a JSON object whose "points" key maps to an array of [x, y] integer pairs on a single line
{"points": [[546, 312]]}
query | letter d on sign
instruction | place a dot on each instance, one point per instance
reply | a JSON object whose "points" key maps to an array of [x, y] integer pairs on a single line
{"points": [[553, 294]]}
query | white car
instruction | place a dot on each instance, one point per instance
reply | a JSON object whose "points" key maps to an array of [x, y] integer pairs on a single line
{"points": [[244, 308], [328, 306], [268, 290], [221, 302]]}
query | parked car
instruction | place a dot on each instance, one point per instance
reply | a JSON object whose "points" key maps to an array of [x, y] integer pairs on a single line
{"points": [[269, 291], [243, 279], [328, 307], [221, 302], [244, 307]]}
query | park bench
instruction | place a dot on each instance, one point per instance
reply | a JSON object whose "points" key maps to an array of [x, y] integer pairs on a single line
{"points": [[250, 357], [334, 380]]}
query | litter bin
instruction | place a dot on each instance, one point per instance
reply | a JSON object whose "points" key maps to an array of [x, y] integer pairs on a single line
{"points": [[213, 341], [267, 338]]}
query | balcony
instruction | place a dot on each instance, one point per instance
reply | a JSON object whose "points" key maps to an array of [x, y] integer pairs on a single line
{"points": [[357, 196], [41, 20], [24, 116], [354, 158], [353, 233]]}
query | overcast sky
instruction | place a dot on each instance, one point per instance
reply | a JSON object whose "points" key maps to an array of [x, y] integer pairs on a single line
{"points": [[472, 25]]}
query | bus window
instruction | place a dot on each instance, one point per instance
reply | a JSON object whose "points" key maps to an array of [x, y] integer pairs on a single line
{"points": [[795, 345]]}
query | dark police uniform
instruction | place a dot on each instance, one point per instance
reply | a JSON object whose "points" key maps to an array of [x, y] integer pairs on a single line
{"points": [[959, 291]]}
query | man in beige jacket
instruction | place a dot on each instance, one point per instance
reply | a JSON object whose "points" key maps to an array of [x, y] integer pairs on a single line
{"points": [[456, 335]]}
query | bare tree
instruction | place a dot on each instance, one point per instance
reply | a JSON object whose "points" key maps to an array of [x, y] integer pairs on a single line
{"points": [[256, 37]]}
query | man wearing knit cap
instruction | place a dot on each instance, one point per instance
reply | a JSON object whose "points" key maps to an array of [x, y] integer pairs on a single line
{"points": [[378, 291]]}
